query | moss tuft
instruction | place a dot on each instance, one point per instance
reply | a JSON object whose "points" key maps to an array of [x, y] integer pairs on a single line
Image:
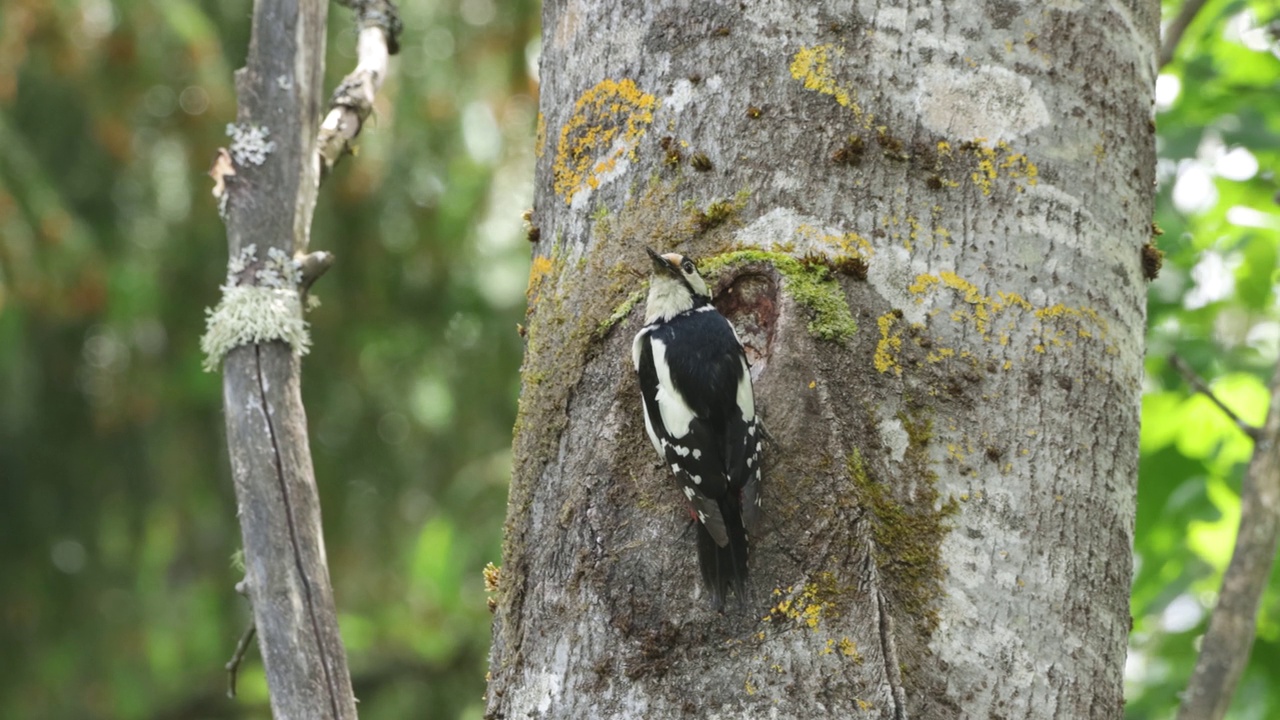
{"points": [[1152, 261], [811, 285], [620, 312], [908, 532]]}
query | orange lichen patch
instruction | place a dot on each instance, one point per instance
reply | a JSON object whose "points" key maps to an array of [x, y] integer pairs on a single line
{"points": [[538, 271], [540, 136], [607, 123]]}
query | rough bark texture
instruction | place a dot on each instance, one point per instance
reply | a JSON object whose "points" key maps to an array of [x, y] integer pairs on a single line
{"points": [[926, 224], [270, 206]]}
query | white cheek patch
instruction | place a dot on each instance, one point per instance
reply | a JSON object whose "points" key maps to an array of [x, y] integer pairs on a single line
{"points": [[668, 297], [676, 413]]}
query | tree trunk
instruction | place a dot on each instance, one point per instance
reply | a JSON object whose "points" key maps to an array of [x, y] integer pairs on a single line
{"points": [[926, 224], [269, 206]]}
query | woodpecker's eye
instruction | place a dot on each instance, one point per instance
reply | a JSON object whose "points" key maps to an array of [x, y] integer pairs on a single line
{"points": [[687, 266]]}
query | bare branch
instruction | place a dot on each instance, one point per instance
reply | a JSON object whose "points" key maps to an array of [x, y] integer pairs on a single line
{"points": [[237, 657], [1201, 387], [352, 101], [313, 265], [1177, 27], [1224, 650], [269, 211]]}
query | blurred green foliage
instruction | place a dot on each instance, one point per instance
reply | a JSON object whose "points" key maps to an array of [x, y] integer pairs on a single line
{"points": [[1215, 305], [116, 512], [117, 516]]}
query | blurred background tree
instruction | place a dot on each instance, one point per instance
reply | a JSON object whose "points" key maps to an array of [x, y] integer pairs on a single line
{"points": [[117, 525], [117, 519], [1215, 305]]}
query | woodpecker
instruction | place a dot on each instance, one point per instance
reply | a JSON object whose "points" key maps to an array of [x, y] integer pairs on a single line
{"points": [[699, 411]]}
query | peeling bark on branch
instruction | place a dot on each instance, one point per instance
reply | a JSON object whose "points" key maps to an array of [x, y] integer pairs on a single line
{"points": [[352, 101]]}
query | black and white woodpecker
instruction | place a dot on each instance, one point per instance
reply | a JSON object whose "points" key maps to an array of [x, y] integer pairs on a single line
{"points": [[699, 411]]}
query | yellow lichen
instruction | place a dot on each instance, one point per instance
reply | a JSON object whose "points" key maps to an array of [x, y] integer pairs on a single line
{"points": [[607, 123], [808, 604], [996, 318], [999, 160], [540, 136], [812, 66], [849, 649], [889, 345]]}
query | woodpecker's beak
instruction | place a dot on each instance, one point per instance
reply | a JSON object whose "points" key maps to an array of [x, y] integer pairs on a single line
{"points": [[662, 264]]}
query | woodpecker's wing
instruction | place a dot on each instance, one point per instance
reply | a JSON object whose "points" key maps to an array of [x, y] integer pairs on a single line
{"points": [[682, 440], [700, 409]]}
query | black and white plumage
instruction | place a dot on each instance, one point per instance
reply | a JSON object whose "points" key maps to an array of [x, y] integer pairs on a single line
{"points": [[699, 411]]}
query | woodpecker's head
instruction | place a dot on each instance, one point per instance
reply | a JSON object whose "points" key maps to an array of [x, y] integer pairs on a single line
{"points": [[674, 287]]}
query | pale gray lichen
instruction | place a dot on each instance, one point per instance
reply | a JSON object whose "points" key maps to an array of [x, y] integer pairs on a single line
{"points": [[271, 310], [249, 143], [280, 271]]}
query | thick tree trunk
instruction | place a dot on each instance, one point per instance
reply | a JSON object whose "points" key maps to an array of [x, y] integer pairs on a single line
{"points": [[926, 223]]}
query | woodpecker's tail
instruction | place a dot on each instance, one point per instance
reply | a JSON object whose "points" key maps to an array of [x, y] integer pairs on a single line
{"points": [[724, 568]]}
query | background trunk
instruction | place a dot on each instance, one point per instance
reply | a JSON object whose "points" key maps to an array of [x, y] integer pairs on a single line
{"points": [[286, 572], [927, 225]]}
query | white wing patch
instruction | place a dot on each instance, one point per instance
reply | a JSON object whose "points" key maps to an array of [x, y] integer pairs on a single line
{"points": [[636, 347], [746, 400], [653, 436], [676, 413]]}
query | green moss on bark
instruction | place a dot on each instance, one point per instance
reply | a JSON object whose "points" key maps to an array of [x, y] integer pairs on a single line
{"points": [[811, 285], [908, 531]]}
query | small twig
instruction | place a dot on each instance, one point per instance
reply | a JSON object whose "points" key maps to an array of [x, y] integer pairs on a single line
{"points": [[313, 265], [1201, 387], [1177, 27], [233, 665], [1224, 649]]}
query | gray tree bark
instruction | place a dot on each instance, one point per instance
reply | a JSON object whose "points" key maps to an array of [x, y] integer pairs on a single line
{"points": [[926, 223], [270, 206]]}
